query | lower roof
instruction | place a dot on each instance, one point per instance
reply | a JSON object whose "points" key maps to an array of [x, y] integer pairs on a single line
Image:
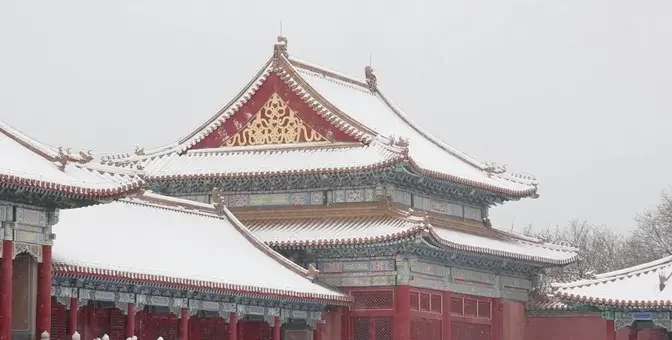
{"points": [[642, 286], [280, 230], [153, 238]]}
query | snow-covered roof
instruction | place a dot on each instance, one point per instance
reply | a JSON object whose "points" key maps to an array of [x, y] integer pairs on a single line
{"points": [[29, 163], [642, 286], [180, 243], [267, 160], [353, 229], [351, 106]]}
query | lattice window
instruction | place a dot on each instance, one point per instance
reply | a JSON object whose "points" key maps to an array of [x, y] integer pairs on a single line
{"points": [[484, 309], [372, 328], [469, 331], [59, 321], [424, 302], [383, 329], [373, 299], [436, 303], [470, 307], [360, 328], [425, 329], [456, 306], [102, 317], [415, 301]]}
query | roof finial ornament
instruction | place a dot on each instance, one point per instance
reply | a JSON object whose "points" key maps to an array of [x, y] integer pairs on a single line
{"points": [[139, 151], [217, 201], [62, 158], [663, 280], [493, 168], [280, 47], [371, 79], [312, 272]]}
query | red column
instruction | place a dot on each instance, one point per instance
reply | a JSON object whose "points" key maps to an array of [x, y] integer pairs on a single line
{"points": [[233, 326], [184, 324], [72, 317], [633, 331], [445, 310], [130, 320], [44, 292], [611, 330], [317, 332], [276, 328], [402, 313], [497, 315], [345, 323], [6, 290]]}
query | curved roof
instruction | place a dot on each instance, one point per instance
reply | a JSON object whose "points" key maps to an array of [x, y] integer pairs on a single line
{"points": [[326, 228], [642, 286], [29, 163], [360, 111], [179, 243]]}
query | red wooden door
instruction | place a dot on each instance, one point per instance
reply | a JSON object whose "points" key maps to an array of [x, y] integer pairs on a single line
{"points": [[162, 325]]}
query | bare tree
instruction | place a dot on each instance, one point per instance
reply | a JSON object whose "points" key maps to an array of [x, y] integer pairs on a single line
{"points": [[652, 239], [599, 250]]}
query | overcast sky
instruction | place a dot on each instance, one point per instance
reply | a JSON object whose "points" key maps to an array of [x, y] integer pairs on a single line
{"points": [[574, 92]]}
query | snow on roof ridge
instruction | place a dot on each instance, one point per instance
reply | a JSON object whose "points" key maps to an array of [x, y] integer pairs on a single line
{"points": [[333, 75], [358, 84], [612, 275], [538, 241], [227, 110], [47, 151], [210, 210], [320, 69]]}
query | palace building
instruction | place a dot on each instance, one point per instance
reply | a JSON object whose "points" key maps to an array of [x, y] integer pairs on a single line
{"points": [[629, 304], [309, 207]]}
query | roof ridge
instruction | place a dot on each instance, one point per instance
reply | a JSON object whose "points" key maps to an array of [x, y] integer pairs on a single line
{"points": [[617, 274], [360, 84], [45, 151]]}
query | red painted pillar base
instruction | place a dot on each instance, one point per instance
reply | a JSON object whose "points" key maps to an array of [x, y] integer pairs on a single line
{"points": [[130, 320], [72, 317], [6, 290], [276, 328], [402, 313], [233, 326], [184, 324], [44, 293]]}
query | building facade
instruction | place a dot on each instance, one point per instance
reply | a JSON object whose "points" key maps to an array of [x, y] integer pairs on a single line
{"points": [[309, 207], [633, 303], [132, 263], [325, 169]]}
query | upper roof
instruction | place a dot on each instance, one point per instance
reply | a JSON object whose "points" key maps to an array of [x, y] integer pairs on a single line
{"points": [[642, 286], [29, 163], [336, 226], [314, 105], [177, 242]]}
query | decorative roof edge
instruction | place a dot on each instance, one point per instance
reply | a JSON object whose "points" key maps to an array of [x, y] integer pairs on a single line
{"points": [[422, 227], [87, 270], [489, 168], [148, 198], [659, 264], [61, 159]]}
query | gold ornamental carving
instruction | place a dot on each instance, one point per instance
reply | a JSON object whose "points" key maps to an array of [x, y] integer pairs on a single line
{"points": [[275, 123]]}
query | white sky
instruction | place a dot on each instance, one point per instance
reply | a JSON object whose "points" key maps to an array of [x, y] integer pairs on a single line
{"points": [[575, 92]]}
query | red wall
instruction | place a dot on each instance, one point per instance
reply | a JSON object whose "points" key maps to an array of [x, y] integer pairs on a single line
{"points": [[580, 327]]}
